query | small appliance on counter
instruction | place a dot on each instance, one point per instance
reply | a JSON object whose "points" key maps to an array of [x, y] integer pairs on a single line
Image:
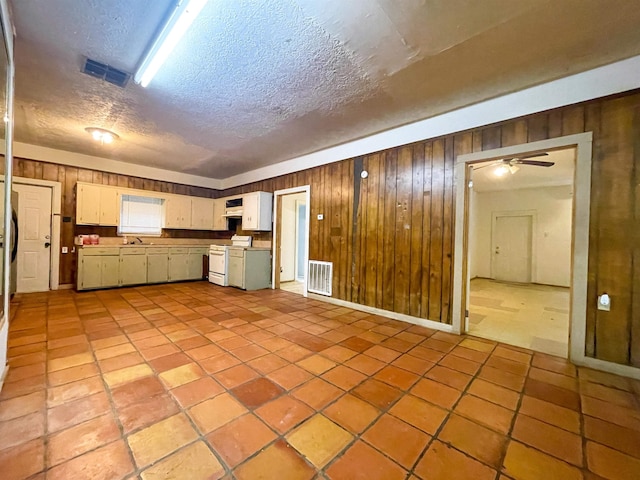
{"points": [[92, 239]]}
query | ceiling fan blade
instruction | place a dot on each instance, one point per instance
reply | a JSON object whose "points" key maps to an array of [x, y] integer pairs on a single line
{"points": [[492, 164], [535, 163], [534, 155]]}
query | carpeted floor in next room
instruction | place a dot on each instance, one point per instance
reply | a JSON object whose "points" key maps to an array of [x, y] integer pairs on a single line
{"points": [[196, 381]]}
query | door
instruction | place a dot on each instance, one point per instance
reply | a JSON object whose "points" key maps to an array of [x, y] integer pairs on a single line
{"points": [[110, 270], [91, 271], [236, 268], [133, 269], [178, 267], [158, 268], [512, 248], [34, 242], [88, 204], [301, 238]]}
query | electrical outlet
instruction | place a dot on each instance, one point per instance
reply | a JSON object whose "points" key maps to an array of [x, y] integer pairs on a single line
{"points": [[604, 302], [65, 249], [320, 216]]}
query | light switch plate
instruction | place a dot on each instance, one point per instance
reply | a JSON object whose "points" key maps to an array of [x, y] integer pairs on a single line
{"points": [[65, 249]]}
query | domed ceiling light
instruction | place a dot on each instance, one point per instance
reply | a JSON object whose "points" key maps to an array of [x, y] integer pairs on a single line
{"points": [[102, 135]]}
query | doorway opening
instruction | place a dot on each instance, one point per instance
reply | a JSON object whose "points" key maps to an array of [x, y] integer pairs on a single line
{"points": [[521, 251], [291, 240]]}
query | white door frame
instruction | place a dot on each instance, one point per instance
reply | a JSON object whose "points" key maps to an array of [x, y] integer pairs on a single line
{"points": [[580, 232], [276, 198], [56, 207], [532, 237]]}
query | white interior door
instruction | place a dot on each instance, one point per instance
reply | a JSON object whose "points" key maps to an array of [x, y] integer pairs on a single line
{"points": [[512, 248], [34, 239]]}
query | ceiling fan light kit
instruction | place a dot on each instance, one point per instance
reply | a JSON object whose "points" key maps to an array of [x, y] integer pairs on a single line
{"points": [[510, 165], [183, 15]]}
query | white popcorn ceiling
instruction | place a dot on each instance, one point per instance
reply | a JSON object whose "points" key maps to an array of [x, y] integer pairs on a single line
{"points": [[256, 82]]}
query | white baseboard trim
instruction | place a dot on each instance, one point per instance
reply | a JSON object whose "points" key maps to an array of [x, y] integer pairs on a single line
{"points": [[609, 367], [385, 313]]}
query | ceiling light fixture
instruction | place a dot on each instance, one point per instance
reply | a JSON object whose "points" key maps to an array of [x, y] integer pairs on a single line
{"points": [[178, 23], [101, 135], [501, 170]]}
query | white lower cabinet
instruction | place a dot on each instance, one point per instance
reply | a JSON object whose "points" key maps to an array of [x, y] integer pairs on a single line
{"points": [[157, 265], [195, 262], [133, 266], [98, 268], [121, 266], [178, 264]]}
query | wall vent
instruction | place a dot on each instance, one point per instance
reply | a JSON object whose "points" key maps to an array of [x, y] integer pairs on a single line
{"points": [[106, 73], [320, 277]]}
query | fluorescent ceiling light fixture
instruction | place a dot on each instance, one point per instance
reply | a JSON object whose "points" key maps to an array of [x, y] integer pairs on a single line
{"points": [[179, 22], [101, 135]]}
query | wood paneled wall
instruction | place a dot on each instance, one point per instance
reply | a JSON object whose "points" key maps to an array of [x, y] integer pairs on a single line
{"points": [[69, 176], [390, 236]]}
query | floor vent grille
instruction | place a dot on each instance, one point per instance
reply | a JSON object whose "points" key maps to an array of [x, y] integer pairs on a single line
{"points": [[320, 277]]}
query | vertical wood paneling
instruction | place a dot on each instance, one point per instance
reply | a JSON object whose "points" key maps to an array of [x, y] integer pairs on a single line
{"points": [[388, 229], [417, 214], [426, 229], [380, 251], [437, 229], [402, 237], [369, 240], [447, 232], [593, 116], [615, 220]]}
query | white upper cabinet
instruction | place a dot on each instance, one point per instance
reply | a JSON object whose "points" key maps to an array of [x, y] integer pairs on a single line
{"points": [[177, 213], [256, 211], [97, 205], [202, 213], [220, 222], [109, 207]]}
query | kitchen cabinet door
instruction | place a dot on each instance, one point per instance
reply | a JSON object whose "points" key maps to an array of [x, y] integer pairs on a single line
{"points": [[219, 221], [236, 271], [256, 211], [157, 268], [88, 204], [178, 266], [201, 213], [110, 271], [109, 206], [90, 275], [195, 262], [133, 269], [177, 212]]}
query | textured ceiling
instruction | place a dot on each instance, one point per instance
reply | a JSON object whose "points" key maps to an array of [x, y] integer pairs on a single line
{"points": [[255, 82]]}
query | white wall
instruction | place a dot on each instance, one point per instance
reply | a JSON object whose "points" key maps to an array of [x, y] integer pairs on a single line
{"points": [[551, 234], [288, 232]]}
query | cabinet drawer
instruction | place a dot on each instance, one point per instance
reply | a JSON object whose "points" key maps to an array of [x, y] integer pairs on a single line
{"points": [[178, 250], [236, 252], [100, 251], [157, 250], [199, 250], [133, 251]]}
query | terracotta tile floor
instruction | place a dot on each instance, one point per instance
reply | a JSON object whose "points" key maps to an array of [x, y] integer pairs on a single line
{"points": [[196, 381]]}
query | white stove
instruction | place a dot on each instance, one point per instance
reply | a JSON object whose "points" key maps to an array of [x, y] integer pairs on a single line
{"points": [[219, 259]]}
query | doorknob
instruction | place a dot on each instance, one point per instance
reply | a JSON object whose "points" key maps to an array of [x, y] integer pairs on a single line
{"points": [[47, 244]]}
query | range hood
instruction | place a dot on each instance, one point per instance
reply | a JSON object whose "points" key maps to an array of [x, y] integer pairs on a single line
{"points": [[233, 212]]}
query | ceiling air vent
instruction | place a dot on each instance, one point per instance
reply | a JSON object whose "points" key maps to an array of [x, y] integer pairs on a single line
{"points": [[106, 73]]}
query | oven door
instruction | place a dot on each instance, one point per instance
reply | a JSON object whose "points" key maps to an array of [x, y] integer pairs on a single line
{"points": [[218, 267]]}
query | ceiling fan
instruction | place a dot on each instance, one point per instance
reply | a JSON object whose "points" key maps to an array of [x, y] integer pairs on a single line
{"points": [[505, 165]]}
